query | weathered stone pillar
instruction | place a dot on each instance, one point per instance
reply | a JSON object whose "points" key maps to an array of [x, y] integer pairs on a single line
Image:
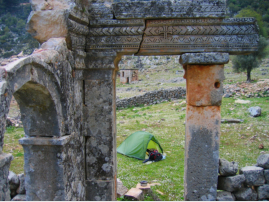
{"points": [[204, 76], [45, 168], [100, 129], [5, 160]]}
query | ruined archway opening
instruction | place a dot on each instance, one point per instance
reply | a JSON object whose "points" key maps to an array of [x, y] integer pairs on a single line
{"points": [[162, 116], [32, 113]]}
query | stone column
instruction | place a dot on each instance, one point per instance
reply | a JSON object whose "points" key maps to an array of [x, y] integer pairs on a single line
{"points": [[100, 131], [204, 74], [45, 168]]}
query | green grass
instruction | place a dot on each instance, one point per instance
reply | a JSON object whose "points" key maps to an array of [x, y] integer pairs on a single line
{"points": [[171, 134], [11, 145]]}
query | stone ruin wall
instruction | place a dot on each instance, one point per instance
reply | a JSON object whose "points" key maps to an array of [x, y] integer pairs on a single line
{"points": [[153, 97]]}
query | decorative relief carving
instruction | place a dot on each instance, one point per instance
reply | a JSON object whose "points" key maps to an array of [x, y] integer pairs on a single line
{"points": [[77, 28], [116, 31], [111, 23]]}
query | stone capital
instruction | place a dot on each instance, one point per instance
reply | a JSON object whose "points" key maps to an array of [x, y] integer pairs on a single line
{"points": [[204, 58]]}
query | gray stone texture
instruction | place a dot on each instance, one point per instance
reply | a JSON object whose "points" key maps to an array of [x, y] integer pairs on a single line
{"points": [[13, 180], [5, 160], [21, 188], [225, 196], [204, 58], [263, 192], [266, 175], [245, 194], [254, 175], [263, 161], [255, 111], [231, 183], [169, 9], [227, 168]]}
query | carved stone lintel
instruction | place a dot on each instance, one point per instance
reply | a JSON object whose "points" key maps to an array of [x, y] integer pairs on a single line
{"points": [[204, 58]]}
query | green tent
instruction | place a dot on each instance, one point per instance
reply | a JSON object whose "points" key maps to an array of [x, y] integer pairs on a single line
{"points": [[137, 144]]}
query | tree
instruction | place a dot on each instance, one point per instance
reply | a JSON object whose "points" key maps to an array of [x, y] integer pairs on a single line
{"points": [[249, 62], [246, 12]]}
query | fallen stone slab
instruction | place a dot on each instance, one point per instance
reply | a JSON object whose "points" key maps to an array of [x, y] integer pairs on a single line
{"points": [[254, 175], [232, 120], [134, 194], [19, 197], [245, 194], [263, 161], [227, 168], [255, 111], [263, 192], [225, 196], [231, 183]]}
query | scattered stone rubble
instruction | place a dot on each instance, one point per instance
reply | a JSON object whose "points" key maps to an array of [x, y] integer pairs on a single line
{"points": [[251, 184], [153, 97], [259, 89], [17, 186]]}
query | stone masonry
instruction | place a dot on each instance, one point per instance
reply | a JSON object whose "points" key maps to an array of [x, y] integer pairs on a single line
{"points": [[67, 97]]}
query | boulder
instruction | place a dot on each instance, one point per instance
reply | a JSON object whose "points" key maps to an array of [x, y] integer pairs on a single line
{"points": [[255, 111], [263, 192], [231, 183], [13, 180], [21, 188], [263, 161], [225, 196], [254, 175], [227, 168], [121, 189], [19, 197], [245, 194]]}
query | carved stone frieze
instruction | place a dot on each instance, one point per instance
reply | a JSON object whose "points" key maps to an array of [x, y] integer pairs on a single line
{"points": [[120, 35], [169, 9], [178, 36]]}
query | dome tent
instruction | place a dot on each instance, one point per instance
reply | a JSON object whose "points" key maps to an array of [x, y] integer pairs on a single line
{"points": [[137, 144]]}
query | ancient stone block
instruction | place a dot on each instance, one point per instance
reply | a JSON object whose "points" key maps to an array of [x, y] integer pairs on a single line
{"points": [[204, 58], [134, 194], [203, 90], [231, 183], [227, 168], [254, 175], [245, 194], [263, 192], [255, 111], [225, 196], [263, 161], [202, 152], [169, 9]]}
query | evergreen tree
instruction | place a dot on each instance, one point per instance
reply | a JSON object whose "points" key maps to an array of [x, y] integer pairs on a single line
{"points": [[249, 62]]}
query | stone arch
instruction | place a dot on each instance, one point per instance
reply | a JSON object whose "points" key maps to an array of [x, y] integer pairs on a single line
{"points": [[37, 90]]}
